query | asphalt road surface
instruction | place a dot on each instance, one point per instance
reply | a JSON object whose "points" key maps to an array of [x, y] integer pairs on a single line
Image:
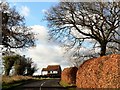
{"points": [[50, 84]]}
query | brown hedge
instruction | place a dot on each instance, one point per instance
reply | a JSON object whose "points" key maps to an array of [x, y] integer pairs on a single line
{"points": [[69, 75], [102, 72]]}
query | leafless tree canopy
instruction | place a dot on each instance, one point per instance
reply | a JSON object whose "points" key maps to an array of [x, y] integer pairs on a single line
{"points": [[74, 23], [14, 32]]}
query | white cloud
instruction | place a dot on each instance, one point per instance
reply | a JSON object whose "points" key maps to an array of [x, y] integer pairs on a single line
{"points": [[41, 33], [24, 10], [44, 11], [45, 53]]}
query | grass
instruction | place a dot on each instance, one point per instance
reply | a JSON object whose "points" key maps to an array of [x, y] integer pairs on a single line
{"points": [[69, 86], [11, 81], [64, 84], [72, 89]]}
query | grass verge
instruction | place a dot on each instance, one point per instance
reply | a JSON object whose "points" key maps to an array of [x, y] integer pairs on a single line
{"points": [[12, 81], [69, 86], [64, 84]]}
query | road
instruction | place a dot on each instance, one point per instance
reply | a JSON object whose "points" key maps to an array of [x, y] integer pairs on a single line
{"points": [[50, 84]]}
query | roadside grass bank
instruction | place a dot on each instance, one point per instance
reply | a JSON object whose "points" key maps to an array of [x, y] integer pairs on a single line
{"points": [[66, 85], [12, 81], [9, 82]]}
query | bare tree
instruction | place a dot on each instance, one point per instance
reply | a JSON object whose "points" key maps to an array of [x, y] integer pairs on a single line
{"points": [[14, 32], [76, 56], [75, 23]]}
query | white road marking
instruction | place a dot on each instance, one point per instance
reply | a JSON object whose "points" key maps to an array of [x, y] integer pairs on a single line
{"points": [[42, 85]]}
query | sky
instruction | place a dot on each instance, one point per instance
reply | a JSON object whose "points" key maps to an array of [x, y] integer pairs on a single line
{"points": [[46, 52]]}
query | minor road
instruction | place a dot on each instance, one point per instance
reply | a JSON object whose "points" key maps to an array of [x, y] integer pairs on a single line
{"points": [[47, 84]]}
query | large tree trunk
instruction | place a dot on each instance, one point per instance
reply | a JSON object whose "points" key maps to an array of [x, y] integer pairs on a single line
{"points": [[103, 49]]}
